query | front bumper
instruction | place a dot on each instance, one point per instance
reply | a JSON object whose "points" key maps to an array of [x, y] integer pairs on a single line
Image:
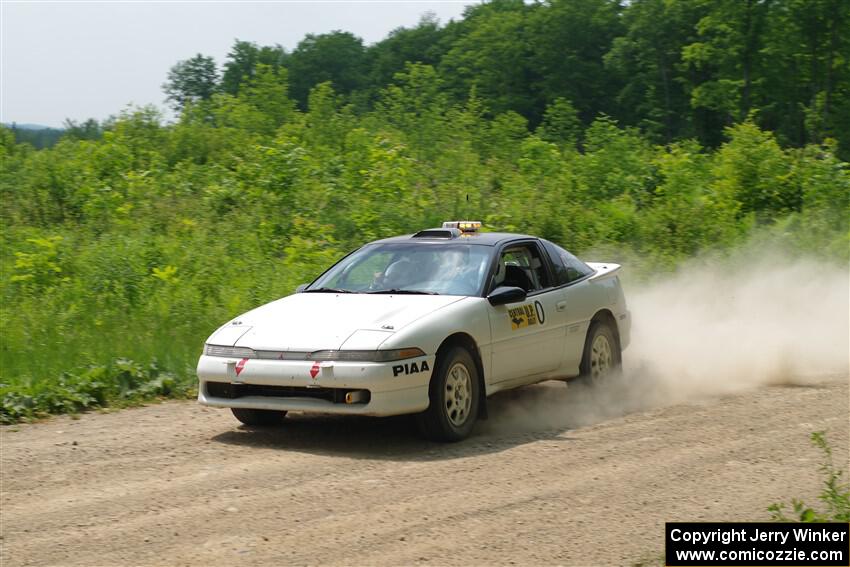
{"points": [[393, 387]]}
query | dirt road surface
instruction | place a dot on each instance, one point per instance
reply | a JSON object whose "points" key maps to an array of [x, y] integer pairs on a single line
{"points": [[178, 484]]}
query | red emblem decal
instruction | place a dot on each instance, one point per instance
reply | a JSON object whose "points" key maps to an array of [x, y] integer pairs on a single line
{"points": [[240, 366], [314, 370]]}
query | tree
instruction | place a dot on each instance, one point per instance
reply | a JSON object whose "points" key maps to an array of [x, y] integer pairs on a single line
{"points": [[88, 130], [560, 123], [190, 81], [730, 41], [647, 60], [338, 57], [493, 53], [752, 170], [807, 84], [570, 39], [267, 92], [416, 105], [420, 44], [242, 61]]}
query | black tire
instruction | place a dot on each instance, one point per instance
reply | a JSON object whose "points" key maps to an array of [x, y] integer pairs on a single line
{"points": [[257, 417], [451, 417], [598, 365]]}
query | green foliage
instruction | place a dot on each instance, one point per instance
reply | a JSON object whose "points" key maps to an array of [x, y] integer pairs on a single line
{"points": [[191, 81], [753, 170], [40, 267], [243, 61], [835, 494], [495, 56], [571, 39], [420, 44], [647, 60], [88, 130], [561, 124], [337, 57], [120, 382]]}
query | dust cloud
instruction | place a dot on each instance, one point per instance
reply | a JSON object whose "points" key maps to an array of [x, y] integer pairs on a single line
{"points": [[713, 328]]}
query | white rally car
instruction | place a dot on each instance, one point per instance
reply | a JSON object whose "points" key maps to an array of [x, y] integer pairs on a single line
{"points": [[430, 324]]}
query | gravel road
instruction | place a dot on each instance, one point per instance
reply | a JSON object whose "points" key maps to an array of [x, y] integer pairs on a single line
{"points": [[553, 477]]}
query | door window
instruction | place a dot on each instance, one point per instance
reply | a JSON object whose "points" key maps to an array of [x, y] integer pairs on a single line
{"points": [[522, 266]]}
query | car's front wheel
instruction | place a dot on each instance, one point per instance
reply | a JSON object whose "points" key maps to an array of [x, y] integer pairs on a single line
{"points": [[257, 417], [602, 358], [454, 397]]}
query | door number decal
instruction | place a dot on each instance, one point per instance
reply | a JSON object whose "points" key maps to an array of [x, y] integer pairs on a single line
{"points": [[526, 315], [541, 316]]}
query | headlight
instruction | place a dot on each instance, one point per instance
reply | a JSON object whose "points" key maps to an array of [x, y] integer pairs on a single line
{"points": [[341, 355], [237, 352]]}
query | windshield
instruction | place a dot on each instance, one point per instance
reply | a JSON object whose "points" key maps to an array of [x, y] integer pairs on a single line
{"points": [[450, 269]]}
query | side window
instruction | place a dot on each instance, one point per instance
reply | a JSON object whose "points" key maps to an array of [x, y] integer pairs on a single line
{"points": [[568, 268], [558, 266], [522, 266]]}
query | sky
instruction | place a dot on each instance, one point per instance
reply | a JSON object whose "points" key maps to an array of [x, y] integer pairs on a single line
{"points": [[78, 60]]}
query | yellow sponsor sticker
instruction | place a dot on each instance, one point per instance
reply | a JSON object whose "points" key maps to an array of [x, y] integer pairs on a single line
{"points": [[522, 316]]}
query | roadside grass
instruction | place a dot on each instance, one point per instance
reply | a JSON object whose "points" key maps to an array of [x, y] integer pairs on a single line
{"points": [[99, 324], [118, 384], [835, 494], [91, 355]]}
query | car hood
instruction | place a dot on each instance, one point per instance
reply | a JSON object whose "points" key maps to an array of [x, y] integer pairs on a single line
{"points": [[318, 321]]}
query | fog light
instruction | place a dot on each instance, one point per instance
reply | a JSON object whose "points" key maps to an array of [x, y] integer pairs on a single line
{"points": [[356, 396]]}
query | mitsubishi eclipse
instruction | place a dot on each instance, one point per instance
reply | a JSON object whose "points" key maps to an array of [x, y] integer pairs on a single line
{"points": [[428, 324]]}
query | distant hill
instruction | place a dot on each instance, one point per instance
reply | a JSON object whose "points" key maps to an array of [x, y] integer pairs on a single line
{"points": [[37, 135], [27, 126]]}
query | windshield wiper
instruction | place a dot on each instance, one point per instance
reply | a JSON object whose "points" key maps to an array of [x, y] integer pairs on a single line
{"points": [[405, 292], [327, 290]]}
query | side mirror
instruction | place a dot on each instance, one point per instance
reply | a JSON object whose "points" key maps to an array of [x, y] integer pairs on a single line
{"points": [[301, 287], [504, 294]]}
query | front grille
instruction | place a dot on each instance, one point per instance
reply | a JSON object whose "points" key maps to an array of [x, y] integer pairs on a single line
{"points": [[245, 352], [233, 391]]}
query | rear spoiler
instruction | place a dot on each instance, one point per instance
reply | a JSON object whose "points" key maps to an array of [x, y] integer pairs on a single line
{"points": [[603, 269]]}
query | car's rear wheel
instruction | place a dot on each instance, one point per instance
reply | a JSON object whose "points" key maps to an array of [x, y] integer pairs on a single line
{"points": [[454, 397], [602, 358], [258, 417]]}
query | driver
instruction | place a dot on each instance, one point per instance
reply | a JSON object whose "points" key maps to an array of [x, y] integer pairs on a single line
{"points": [[456, 270], [399, 275]]}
